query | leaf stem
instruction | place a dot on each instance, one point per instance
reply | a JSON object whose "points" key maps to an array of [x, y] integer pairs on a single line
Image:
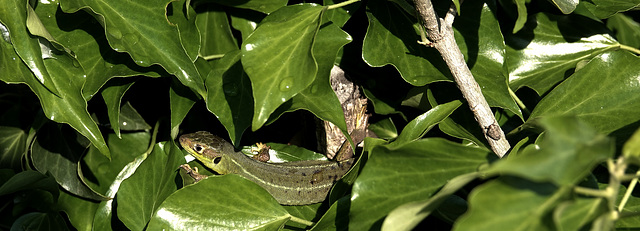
{"points": [[518, 101], [301, 221], [334, 6], [210, 57], [632, 49], [591, 192], [627, 194]]}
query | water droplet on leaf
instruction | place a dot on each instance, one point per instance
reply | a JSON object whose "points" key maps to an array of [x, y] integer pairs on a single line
{"points": [[115, 33], [285, 84]]}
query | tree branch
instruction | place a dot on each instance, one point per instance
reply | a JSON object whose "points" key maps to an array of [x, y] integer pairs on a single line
{"points": [[440, 33]]}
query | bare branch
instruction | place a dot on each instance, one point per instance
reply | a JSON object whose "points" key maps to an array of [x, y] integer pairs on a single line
{"points": [[440, 33]]}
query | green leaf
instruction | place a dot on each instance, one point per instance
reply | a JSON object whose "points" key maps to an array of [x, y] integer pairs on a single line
{"points": [[143, 31], [384, 128], [407, 216], [13, 15], [334, 218], [13, 142], [244, 21], [568, 152], [112, 95], [479, 37], [181, 101], [224, 202], [607, 8], [104, 215], [29, 180], [411, 172], [57, 152], [278, 57], [522, 16], [81, 33], [573, 215], [99, 172], [264, 6], [215, 31], [154, 180], [613, 96], [626, 29], [229, 96], [180, 14], [549, 46], [80, 211], [340, 15], [522, 205], [566, 6], [131, 120], [631, 148], [423, 123], [69, 106], [40, 221], [319, 97], [392, 38]]}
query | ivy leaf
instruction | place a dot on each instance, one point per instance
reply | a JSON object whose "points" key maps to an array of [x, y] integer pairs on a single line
{"points": [[222, 202], [143, 31], [566, 6], [614, 96], [392, 38], [410, 172], [278, 57], [319, 97], [625, 29], [229, 96], [607, 8], [69, 106], [57, 152], [264, 6], [28, 47], [568, 152], [215, 31], [549, 46], [156, 177], [423, 123], [523, 205]]}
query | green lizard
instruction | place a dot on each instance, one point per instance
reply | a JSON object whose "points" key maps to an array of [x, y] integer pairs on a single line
{"points": [[292, 183]]}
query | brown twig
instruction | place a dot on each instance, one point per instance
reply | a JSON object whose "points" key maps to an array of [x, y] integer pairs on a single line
{"points": [[440, 34]]}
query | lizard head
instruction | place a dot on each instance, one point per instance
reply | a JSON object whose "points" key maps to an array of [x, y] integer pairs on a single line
{"points": [[206, 147]]}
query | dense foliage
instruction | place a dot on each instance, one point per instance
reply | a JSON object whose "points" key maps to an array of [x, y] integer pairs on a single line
{"points": [[82, 80]]}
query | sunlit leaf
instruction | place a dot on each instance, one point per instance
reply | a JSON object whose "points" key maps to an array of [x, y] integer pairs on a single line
{"points": [[225, 202], [549, 46], [155, 176], [143, 31], [13, 15], [278, 57], [605, 99]]}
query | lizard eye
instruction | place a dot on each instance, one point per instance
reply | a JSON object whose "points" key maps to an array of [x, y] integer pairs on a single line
{"points": [[217, 160], [198, 148]]}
